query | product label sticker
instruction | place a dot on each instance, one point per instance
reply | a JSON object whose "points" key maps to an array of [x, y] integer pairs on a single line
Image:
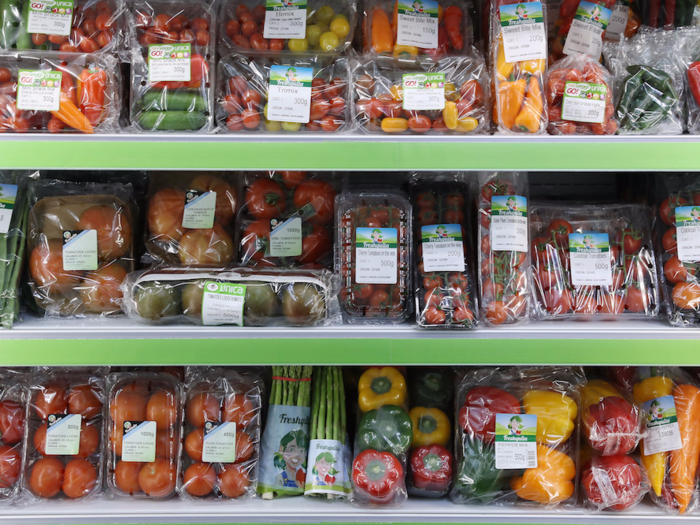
{"points": [[688, 233], [662, 432], [443, 248], [219, 442], [424, 91], [376, 255], [289, 94], [50, 17], [524, 36], [222, 303], [584, 102], [516, 445], [139, 441], [618, 20], [590, 259], [417, 23], [39, 90], [285, 19], [285, 237], [8, 195], [200, 209], [79, 250], [63, 435], [586, 33], [169, 62], [509, 223], [327, 468]]}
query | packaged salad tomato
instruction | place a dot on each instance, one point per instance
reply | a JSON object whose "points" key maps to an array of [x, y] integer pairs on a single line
{"points": [[504, 247], [279, 28], [287, 219], [14, 396], [304, 93], [80, 244], [593, 260], [517, 437], [519, 63], [144, 430], [580, 97], [239, 296], [445, 286], [191, 218], [222, 434], [65, 420], [581, 28], [373, 255], [406, 30], [44, 92], [172, 83], [442, 97]]}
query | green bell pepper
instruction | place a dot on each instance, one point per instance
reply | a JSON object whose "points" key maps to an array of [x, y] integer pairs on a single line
{"points": [[385, 429], [431, 388], [477, 476]]}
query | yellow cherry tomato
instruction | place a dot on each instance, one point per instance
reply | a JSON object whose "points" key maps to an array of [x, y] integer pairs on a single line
{"points": [[265, 111], [451, 92], [291, 126], [394, 125], [313, 34], [467, 124], [273, 125], [298, 44], [450, 115], [328, 41], [396, 92], [340, 27], [325, 14]]}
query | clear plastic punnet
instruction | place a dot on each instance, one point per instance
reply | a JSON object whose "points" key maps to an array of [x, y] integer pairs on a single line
{"points": [[613, 483]]}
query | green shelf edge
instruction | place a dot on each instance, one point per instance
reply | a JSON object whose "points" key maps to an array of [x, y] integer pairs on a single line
{"points": [[354, 351], [149, 152]]}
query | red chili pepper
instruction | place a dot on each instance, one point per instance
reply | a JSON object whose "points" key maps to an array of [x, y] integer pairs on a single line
{"points": [[377, 474], [453, 25], [431, 468], [91, 93], [694, 80], [478, 415]]}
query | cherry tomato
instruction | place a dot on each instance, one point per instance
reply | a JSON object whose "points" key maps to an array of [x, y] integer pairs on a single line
{"points": [[686, 296], [265, 199], [320, 195], [636, 301], [46, 477], [199, 479], [330, 124], [251, 99], [496, 187], [5, 75], [165, 212], [194, 444], [433, 298], [127, 406], [276, 44], [610, 304], [431, 281], [486, 244], [293, 179], [162, 408], [669, 241], [233, 481], [463, 315], [454, 216], [157, 479], [419, 124], [434, 316], [10, 463], [88, 45], [561, 230], [235, 123], [427, 216], [39, 39], [558, 302], [379, 299], [49, 400], [46, 266], [496, 313], [202, 408], [233, 28], [187, 36], [210, 247], [238, 409], [426, 200], [199, 24], [11, 422], [440, 126], [162, 23], [259, 42], [79, 479], [631, 240], [363, 292], [315, 245], [667, 210], [676, 271]]}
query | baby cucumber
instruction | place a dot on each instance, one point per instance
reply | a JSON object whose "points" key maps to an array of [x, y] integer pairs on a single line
{"points": [[156, 100], [172, 120], [24, 39]]}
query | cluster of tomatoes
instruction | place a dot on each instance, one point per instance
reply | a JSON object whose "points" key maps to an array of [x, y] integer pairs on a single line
{"points": [[194, 247], [12, 419], [141, 400], [226, 480], [77, 476], [632, 291], [504, 281], [245, 106], [444, 298], [69, 292], [283, 195], [172, 28]]}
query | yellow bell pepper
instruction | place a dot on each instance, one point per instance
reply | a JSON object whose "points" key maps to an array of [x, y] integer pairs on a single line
{"points": [[652, 387], [594, 391], [550, 482], [555, 413], [503, 69], [381, 386], [405, 50], [532, 66], [430, 426]]}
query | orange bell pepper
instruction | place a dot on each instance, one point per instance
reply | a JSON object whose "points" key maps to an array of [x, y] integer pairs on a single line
{"points": [[510, 100], [530, 115], [71, 116], [382, 41], [91, 94]]}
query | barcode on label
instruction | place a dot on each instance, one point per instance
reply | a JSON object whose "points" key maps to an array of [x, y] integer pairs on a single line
{"points": [[531, 459]]}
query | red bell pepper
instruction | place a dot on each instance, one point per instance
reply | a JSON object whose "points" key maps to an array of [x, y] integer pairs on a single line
{"points": [[431, 468], [378, 475], [612, 426], [624, 376], [612, 482], [694, 80], [478, 415]]}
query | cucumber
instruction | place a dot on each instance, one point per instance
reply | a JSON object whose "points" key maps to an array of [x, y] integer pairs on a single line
{"points": [[9, 20], [172, 120], [156, 100], [24, 39]]}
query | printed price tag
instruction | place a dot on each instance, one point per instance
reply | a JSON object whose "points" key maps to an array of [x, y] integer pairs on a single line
{"points": [[39, 90], [662, 432], [509, 223], [289, 94], [376, 255], [590, 259], [200, 209], [584, 102], [586, 33], [524, 36], [8, 195], [443, 248], [169, 63], [516, 445], [417, 23], [222, 303], [63, 435], [79, 250], [219, 443], [50, 17], [285, 237], [618, 20], [688, 233], [285, 19], [424, 91], [139, 441]]}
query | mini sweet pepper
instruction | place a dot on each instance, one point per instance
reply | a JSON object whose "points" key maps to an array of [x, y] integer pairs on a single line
{"points": [[430, 426], [381, 386], [556, 413], [551, 481]]}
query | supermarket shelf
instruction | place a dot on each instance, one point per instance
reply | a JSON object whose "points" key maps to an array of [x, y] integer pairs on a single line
{"points": [[121, 341], [349, 152], [302, 510]]}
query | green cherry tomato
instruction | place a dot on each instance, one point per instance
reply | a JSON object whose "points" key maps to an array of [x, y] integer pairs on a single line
{"points": [[313, 34], [291, 126], [325, 14], [157, 300], [298, 44], [302, 304], [329, 41], [273, 125], [340, 27], [261, 304], [192, 296]]}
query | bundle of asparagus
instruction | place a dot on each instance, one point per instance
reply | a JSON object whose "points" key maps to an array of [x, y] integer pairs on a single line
{"points": [[289, 387], [12, 247]]}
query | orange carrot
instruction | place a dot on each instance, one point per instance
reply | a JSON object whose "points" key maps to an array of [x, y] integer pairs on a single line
{"points": [[71, 116], [684, 462]]}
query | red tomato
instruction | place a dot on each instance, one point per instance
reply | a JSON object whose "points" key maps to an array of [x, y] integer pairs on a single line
{"points": [[80, 478], [561, 230], [199, 479], [667, 210], [46, 266], [113, 230], [51, 399], [162, 408], [10, 463], [610, 304], [157, 479], [226, 199], [677, 272], [238, 409], [256, 238], [265, 199], [557, 302], [432, 280], [419, 124], [379, 299], [46, 477], [165, 212], [686, 296], [89, 440], [251, 118], [211, 247], [202, 408], [233, 481], [636, 301], [165, 444], [194, 444], [496, 187], [127, 406], [631, 240], [315, 245], [320, 195], [11, 422], [434, 316], [426, 200], [669, 241], [496, 313], [244, 447], [293, 179], [100, 291], [84, 400]]}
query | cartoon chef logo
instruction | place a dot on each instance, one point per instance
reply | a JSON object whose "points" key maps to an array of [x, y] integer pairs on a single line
{"points": [[521, 12], [515, 426], [292, 74], [377, 236], [441, 232], [588, 241], [512, 204], [418, 6], [595, 13], [695, 213], [655, 411]]}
